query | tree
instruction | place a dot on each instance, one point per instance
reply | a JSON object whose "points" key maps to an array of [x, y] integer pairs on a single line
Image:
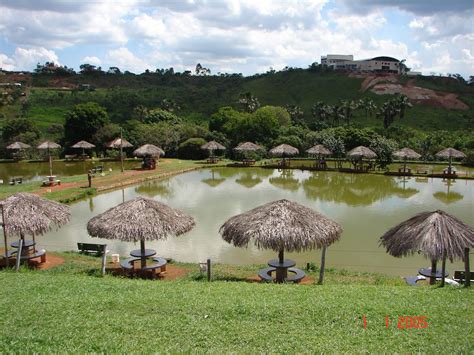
{"points": [[347, 109], [191, 149], [160, 115], [13, 128], [169, 105], [84, 121], [322, 113], [296, 114], [249, 102], [368, 106], [384, 148], [281, 115], [201, 71]]}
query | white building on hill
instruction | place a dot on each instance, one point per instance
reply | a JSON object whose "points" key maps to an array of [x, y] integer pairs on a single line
{"points": [[377, 64]]}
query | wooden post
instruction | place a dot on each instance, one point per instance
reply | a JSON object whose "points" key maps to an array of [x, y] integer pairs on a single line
{"points": [[281, 255], [323, 262], [143, 258], [121, 149], [209, 274], [433, 271], [443, 268], [467, 269], [5, 236], [19, 254], [104, 258]]}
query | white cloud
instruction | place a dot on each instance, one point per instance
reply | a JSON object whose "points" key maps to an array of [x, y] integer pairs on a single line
{"points": [[27, 58], [91, 60], [126, 60]]}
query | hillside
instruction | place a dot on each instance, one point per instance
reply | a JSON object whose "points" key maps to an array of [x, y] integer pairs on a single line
{"points": [[49, 97]]}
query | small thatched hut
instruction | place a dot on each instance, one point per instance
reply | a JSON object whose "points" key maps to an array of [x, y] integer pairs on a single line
{"points": [[140, 219], [318, 150], [48, 145], [450, 153], [148, 150], [212, 146], [406, 153], [361, 152], [27, 214], [283, 150], [18, 146], [118, 143], [437, 235], [282, 226], [247, 147], [83, 145]]}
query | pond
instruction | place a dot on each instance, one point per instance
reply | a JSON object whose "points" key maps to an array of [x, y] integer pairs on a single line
{"points": [[365, 205]]}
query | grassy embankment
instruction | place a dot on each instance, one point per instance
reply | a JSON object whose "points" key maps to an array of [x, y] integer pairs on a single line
{"points": [[70, 308], [76, 187], [199, 97]]}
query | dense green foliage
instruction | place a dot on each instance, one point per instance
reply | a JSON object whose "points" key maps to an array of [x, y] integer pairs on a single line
{"points": [[83, 122], [67, 312]]}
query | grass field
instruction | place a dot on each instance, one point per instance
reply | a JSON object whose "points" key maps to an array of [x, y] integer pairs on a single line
{"points": [[71, 309]]}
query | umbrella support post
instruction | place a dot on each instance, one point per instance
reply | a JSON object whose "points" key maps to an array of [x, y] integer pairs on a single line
{"points": [[323, 262], [143, 259], [433, 271], [467, 269], [18, 255], [281, 273], [104, 259], [443, 268], [208, 262], [5, 237]]}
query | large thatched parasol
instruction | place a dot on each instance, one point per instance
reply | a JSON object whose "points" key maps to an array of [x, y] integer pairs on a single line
{"points": [[247, 147], [436, 234], [318, 150], [361, 152], [284, 150], [48, 145], [118, 143], [406, 153], [83, 145], [211, 146], [450, 153], [18, 146], [281, 225], [140, 219], [28, 214], [148, 150]]}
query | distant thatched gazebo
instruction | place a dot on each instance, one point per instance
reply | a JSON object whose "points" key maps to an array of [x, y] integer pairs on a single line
{"points": [[359, 153], [148, 150], [406, 153], [27, 214], [282, 226], [83, 145], [48, 146], [437, 235], [319, 151], [247, 147], [450, 153], [212, 146], [284, 150], [141, 219], [18, 146]]}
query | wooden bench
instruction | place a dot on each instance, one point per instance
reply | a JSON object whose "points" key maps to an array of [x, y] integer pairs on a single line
{"points": [[298, 275], [70, 156], [39, 254], [460, 276], [412, 280], [159, 264], [51, 182], [14, 181], [97, 169], [128, 264], [90, 248], [266, 274]]}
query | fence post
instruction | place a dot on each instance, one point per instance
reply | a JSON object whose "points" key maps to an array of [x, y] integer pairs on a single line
{"points": [[104, 258], [209, 270], [18, 255]]}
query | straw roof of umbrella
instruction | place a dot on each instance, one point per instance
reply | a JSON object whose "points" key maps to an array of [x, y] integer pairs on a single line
{"points": [[281, 225], [148, 150], [18, 146], [284, 149], [83, 145], [362, 152], [48, 145], [116, 143], [430, 233], [319, 149], [212, 145], [406, 153], [448, 197], [450, 153], [248, 146], [28, 214], [140, 219]]}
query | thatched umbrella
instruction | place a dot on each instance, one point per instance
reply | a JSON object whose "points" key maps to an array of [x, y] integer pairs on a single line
{"points": [[140, 219], [450, 153], [319, 150], [83, 145], [211, 146], [282, 225], [148, 150], [284, 150], [18, 146], [360, 152], [406, 153], [436, 234], [48, 146], [27, 214]]}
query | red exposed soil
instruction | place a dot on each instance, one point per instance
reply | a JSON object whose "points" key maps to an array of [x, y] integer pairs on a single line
{"points": [[52, 260], [308, 280], [173, 272]]}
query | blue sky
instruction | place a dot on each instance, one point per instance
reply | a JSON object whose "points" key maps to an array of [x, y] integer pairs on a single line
{"points": [[241, 36]]}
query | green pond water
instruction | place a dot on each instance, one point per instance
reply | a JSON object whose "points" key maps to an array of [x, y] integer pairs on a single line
{"points": [[365, 205]]}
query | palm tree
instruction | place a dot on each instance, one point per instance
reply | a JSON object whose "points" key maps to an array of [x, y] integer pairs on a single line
{"points": [[296, 114], [249, 102], [367, 105]]}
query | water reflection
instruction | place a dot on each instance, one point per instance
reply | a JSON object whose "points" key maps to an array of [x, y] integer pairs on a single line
{"points": [[248, 180], [214, 180], [353, 189], [155, 188], [285, 180], [448, 196]]}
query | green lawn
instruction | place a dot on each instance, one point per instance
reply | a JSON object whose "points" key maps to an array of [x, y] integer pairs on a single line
{"points": [[71, 309]]}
